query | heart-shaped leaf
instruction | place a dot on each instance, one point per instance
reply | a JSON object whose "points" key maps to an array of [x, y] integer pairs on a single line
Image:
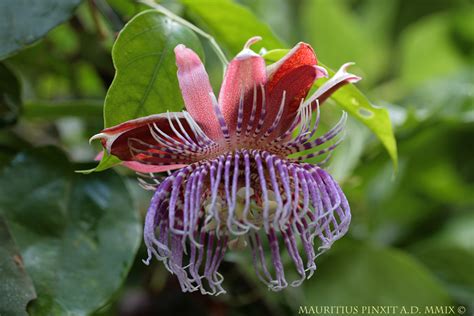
{"points": [[145, 80], [78, 234], [24, 22]]}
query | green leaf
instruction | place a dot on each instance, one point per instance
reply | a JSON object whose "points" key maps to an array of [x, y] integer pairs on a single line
{"points": [[450, 255], [356, 104], [16, 288], [145, 81], [24, 22], [231, 24], [78, 234], [358, 274], [10, 96]]}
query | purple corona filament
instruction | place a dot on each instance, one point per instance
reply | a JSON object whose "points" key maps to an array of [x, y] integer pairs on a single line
{"points": [[237, 172]]}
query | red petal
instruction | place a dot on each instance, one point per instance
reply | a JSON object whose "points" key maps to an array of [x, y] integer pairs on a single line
{"points": [[245, 71], [295, 74], [300, 55], [296, 82], [196, 90], [116, 139]]}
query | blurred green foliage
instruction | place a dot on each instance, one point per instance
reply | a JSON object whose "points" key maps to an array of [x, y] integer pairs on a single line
{"points": [[411, 241]]}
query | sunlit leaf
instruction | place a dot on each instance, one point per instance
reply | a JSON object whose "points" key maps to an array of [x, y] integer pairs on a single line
{"points": [[10, 96], [24, 22], [16, 287], [356, 104], [358, 274], [78, 234], [231, 24]]}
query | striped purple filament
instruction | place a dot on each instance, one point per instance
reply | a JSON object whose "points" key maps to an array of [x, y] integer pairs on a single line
{"points": [[244, 193]]}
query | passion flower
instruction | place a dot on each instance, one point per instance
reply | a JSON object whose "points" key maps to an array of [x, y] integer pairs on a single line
{"points": [[239, 179]]}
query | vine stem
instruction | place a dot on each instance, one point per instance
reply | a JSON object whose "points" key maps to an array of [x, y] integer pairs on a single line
{"points": [[191, 26]]}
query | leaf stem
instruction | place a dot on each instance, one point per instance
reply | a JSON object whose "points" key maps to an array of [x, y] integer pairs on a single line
{"points": [[191, 26]]}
